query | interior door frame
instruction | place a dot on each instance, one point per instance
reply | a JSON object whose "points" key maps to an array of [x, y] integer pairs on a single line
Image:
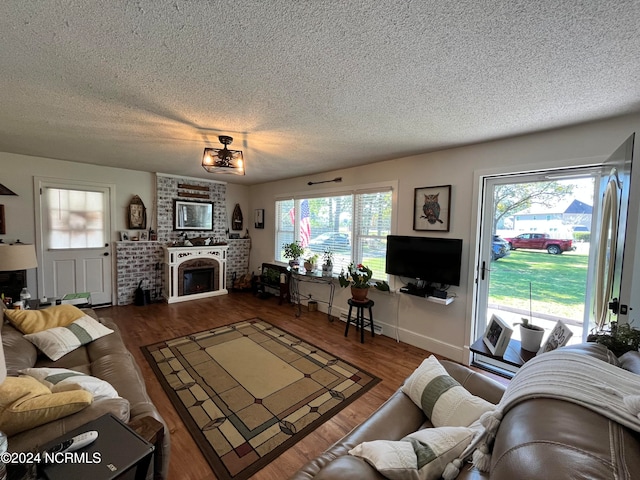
{"points": [[41, 182]]}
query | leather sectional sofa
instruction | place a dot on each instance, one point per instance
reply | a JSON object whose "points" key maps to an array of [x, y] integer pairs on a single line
{"points": [[537, 439], [106, 358]]}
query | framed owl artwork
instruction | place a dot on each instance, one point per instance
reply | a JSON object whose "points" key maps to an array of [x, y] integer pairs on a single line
{"points": [[431, 208]]}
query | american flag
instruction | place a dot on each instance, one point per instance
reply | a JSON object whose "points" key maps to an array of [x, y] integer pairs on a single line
{"points": [[305, 222]]}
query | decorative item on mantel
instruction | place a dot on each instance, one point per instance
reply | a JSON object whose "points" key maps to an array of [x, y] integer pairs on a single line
{"points": [[137, 214], [236, 218]]}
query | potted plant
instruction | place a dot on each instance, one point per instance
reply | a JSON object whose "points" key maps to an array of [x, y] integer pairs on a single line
{"points": [[358, 278], [327, 266], [530, 335], [293, 251], [310, 263], [620, 339]]}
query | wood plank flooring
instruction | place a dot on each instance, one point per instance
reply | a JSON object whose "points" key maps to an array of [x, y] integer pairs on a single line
{"points": [[382, 356]]}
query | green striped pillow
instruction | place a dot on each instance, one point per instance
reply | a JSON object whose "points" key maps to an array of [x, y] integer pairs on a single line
{"points": [[443, 400], [423, 454], [57, 342]]}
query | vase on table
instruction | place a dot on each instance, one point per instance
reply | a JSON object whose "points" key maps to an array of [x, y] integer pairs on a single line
{"points": [[359, 294]]}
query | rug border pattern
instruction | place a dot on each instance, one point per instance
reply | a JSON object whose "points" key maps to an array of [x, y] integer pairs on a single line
{"points": [[215, 462]]}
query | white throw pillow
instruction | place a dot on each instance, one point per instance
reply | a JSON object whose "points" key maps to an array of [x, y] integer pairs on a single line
{"points": [[58, 341], [62, 380], [422, 455], [443, 400]]}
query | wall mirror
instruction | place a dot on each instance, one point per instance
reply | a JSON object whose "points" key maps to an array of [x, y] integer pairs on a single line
{"points": [[192, 215]]}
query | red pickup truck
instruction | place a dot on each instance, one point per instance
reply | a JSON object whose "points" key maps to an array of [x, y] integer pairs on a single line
{"points": [[540, 241]]}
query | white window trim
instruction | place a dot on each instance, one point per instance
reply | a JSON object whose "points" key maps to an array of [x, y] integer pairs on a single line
{"points": [[391, 186]]}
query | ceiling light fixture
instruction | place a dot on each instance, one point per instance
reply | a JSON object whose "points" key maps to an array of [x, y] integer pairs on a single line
{"points": [[223, 160]]}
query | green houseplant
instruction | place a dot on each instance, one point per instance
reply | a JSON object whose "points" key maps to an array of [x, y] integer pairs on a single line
{"points": [[530, 335], [620, 339], [358, 277], [310, 263], [293, 251], [327, 266]]}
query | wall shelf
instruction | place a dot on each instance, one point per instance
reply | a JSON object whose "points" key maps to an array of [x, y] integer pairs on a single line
{"points": [[440, 301]]}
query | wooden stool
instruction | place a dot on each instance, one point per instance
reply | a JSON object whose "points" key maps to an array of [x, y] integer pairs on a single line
{"points": [[360, 321]]}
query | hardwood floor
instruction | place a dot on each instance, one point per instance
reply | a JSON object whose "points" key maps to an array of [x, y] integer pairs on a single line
{"points": [[382, 356]]}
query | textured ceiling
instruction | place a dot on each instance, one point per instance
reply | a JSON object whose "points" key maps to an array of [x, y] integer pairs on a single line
{"points": [[303, 86]]}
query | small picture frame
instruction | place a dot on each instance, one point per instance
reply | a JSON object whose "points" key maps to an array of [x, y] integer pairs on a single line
{"points": [[259, 220], [431, 208], [558, 337], [144, 236], [125, 236], [497, 335]]}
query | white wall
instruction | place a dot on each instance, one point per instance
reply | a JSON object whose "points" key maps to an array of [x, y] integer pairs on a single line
{"points": [[19, 171], [446, 329], [442, 329]]}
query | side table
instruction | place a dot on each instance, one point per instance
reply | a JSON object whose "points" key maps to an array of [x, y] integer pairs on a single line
{"points": [[515, 355], [360, 321], [315, 277], [118, 452]]}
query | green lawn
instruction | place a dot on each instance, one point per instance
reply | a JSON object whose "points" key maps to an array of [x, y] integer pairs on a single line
{"points": [[558, 282]]}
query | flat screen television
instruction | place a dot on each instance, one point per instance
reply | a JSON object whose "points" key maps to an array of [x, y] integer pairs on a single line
{"points": [[433, 260]]}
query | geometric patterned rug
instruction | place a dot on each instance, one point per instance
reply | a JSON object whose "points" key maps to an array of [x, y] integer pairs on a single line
{"points": [[249, 391]]}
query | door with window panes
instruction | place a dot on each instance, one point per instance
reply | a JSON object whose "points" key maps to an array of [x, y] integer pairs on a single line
{"points": [[74, 240]]}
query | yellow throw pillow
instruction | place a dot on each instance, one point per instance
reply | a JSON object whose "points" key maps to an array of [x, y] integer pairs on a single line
{"points": [[34, 321], [25, 403]]}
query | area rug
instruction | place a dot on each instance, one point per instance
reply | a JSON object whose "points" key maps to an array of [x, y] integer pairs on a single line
{"points": [[250, 390]]}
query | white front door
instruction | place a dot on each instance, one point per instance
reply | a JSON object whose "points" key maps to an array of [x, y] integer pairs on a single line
{"points": [[74, 239]]}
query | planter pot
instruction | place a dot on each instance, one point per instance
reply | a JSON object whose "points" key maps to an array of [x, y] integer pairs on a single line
{"points": [[359, 294], [295, 263], [327, 270], [531, 337], [310, 267]]}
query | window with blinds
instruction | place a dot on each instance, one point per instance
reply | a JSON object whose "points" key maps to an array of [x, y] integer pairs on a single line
{"points": [[353, 226]]}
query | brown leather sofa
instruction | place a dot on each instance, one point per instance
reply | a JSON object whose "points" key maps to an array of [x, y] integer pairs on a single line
{"points": [[106, 358], [537, 439]]}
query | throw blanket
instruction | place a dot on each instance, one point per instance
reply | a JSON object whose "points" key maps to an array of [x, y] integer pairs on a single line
{"points": [[565, 375]]}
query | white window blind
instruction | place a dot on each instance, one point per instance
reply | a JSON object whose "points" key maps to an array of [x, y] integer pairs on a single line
{"points": [[353, 226]]}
